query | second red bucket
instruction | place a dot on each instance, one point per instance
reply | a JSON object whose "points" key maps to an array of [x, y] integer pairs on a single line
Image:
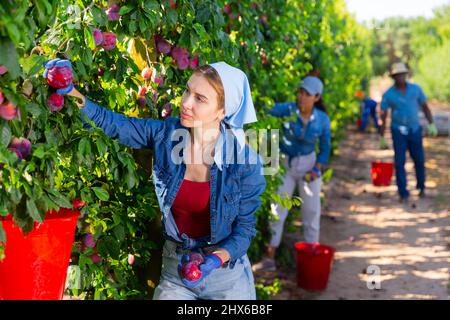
{"points": [[382, 173], [358, 123], [314, 263], [35, 265]]}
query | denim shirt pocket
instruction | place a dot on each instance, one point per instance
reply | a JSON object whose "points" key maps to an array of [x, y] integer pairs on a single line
{"points": [[231, 206], [162, 176]]}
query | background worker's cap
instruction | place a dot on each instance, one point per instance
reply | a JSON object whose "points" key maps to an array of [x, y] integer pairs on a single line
{"points": [[312, 84], [359, 94], [398, 68]]}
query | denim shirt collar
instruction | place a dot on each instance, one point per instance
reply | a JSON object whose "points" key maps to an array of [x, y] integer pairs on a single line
{"points": [[228, 141], [225, 137], [314, 115]]}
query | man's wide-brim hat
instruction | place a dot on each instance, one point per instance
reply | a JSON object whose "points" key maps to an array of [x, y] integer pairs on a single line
{"points": [[398, 68]]}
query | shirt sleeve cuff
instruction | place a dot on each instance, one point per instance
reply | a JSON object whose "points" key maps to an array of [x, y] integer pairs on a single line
{"points": [[220, 259], [89, 108]]}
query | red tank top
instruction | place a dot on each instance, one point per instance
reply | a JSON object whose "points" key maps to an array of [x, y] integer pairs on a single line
{"points": [[190, 209]]}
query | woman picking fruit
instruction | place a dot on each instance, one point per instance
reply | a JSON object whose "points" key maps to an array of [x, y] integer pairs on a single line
{"points": [[207, 202], [298, 146]]}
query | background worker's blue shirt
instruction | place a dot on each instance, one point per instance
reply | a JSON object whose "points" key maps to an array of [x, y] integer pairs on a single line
{"points": [[368, 105], [298, 140], [405, 107], [235, 190]]}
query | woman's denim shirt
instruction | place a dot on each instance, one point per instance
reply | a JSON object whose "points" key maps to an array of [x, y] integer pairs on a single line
{"points": [[299, 140], [235, 190]]}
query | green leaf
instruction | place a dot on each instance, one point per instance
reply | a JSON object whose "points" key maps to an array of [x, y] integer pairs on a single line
{"points": [[42, 203], [111, 246], [42, 9], [132, 26], [34, 109], [84, 147], [81, 69], [32, 64], [108, 76], [124, 159], [89, 39], [203, 13], [142, 24], [5, 134], [33, 211], [119, 233], [59, 199], [101, 146], [13, 32], [131, 180], [172, 17], [101, 194], [2, 233], [98, 295], [120, 72], [86, 56], [3, 212], [99, 15], [83, 261], [121, 278], [125, 9], [326, 177], [199, 29], [9, 57], [39, 152], [151, 5], [52, 136]]}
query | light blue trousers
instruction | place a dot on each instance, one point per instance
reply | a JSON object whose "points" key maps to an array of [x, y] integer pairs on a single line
{"points": [[310, 194], [221, 284]]}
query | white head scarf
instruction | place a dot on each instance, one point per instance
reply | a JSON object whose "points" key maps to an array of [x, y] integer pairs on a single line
{"points": [[239, 109]]}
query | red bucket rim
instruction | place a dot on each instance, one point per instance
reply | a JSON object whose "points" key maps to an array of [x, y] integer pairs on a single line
{"points": [[378, 162], [61, 214], [316, 248]]}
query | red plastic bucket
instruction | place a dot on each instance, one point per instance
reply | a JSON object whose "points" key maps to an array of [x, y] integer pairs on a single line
{"points": [[314, 263], [358, 123], [382, 173], [35, 266]]}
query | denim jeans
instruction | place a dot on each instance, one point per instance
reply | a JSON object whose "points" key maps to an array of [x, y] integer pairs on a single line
{"points": [[410, 140], [372, 112], [224, 283]]}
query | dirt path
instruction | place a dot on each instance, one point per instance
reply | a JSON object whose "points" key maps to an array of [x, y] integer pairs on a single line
{"points": [[367, 225]]}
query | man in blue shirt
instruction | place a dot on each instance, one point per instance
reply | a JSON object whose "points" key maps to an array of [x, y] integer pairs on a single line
{"points": [[405, 99]]}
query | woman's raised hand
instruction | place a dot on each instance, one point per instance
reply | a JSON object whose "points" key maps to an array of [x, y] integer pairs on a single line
{"points": [[59, 75]]}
